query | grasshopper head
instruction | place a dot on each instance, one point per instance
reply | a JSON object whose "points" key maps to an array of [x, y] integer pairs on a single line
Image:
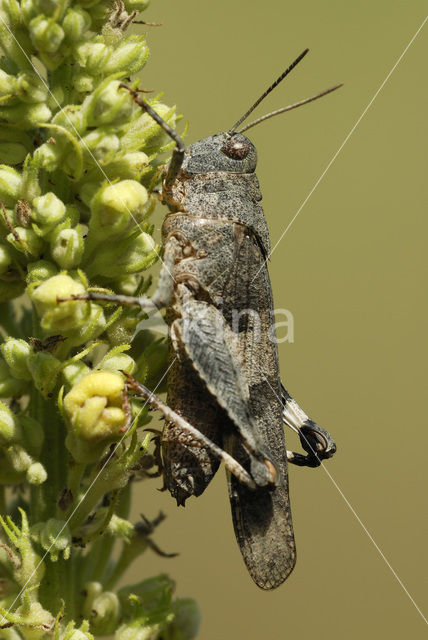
{"points": [[231, 153]]}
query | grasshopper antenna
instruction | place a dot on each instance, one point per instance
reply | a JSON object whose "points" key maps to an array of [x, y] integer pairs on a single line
{"points": [[290, 107], [178, 153], [268, 91]]}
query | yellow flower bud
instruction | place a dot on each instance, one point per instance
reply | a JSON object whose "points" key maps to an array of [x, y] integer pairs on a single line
{"points": [[62, 316], [94, 410]]}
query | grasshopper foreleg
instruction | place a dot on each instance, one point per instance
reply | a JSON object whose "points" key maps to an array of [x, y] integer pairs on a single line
{"points": [[189, 434]]}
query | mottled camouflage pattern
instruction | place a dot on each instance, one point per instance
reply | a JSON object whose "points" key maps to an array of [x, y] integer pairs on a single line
{"points": [[224, 376]]}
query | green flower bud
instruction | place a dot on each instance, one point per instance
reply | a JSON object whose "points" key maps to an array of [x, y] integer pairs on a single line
{"points": [[10, 185], [83, 83], [187, 618], [16, 353], [131, 165], [36, 622], [79, 634], [30, 88], [26, 241], [154, 597], [7, 83], [53, 536], [74, 372], [36, 473], [92, 56], [131, 54], [95, 414], [145, 133], [11, 13], [136, 5], [113, 206], [67, 247], [127, 256], [48, 156], [122, 331], [103, 144], [102, 608], [5, 258], [29, 9], [59, 317], [46, 34], [19, 459], [72, 118], [26, 116], [40, 271], [44, 368], [108, 104], [32, 435], [117, 363], [10, 428], [9, 386], [48, 209], [75, 23]]}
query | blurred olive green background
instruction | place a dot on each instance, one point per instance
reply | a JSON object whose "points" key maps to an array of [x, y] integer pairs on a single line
{"points": [[352, 270]]}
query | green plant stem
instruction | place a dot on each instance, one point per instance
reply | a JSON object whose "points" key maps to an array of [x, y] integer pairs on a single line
{"points": [[57, 579]]}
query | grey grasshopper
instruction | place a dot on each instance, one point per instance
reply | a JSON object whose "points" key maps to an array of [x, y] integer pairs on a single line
{"points": [[225, 399]]}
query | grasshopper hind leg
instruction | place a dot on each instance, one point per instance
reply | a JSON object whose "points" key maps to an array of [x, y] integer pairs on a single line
{"points": [[316, 441]]}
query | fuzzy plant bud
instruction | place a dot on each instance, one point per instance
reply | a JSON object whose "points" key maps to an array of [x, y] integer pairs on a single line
{"points": [[48, 210], [136, 5], [7, 83], [36, 473], [44, 368], [102, 608], [131, 165], [101, 144], [10, 428], [9, 386], [187, 618], [16, 353], [107, 104], [92, 56], [10, 185], [95, 414], [46, 34], [48, 156], [67, 247], [117, 207], [76, 22], [38, 272], [34, 621], [30, 88], [78, 320], [26, 241], [74, 372], [26, 116], [53, 536], [131, 54], [146, 133], [127, 256], [117, 362]]}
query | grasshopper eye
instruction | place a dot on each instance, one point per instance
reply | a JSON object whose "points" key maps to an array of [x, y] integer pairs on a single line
{"points": [[235, 149]]}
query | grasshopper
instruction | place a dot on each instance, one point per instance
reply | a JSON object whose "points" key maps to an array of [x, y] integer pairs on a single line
{"points": [[225, 399]]}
